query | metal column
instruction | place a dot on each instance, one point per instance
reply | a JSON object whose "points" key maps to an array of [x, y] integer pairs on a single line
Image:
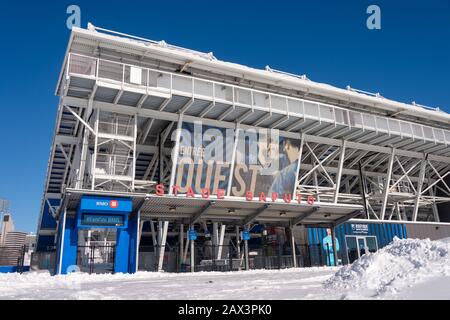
{"points": [[181, 243], [247, 267], [294, 256], [175, 154], [192, 255], [333, 240], [221, 238], [238, 247], [215, 238], [339, 173], [387, 185], [423, 166], [162, 245]]}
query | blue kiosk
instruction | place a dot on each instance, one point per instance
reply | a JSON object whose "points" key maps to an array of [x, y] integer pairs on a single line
{"points": [[111, 216]]}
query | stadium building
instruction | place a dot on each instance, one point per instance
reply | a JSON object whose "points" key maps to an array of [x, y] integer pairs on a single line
{"points": [[165, 158]]}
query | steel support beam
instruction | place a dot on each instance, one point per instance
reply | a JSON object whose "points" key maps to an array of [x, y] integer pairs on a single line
{"points": [[203, 211], [255, 215], [387, 185], [339, 173], [302, 216], [423, 166], [162, 245], [293, 247]]}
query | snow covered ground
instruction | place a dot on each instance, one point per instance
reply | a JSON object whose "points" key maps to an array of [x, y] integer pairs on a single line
{"points": [[406, 269]]}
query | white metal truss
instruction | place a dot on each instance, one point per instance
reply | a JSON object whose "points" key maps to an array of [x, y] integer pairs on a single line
{"points": [[111, 121]]}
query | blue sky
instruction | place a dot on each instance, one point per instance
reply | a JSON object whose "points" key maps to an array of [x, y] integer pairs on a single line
{"points": [[408, 59]]}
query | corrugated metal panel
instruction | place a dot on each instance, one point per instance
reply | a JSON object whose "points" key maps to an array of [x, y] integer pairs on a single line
{"points": [[384, 232]]}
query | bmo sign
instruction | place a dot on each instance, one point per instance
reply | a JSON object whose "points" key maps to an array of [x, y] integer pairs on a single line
{"points": [[113, 204], [89, 203]]}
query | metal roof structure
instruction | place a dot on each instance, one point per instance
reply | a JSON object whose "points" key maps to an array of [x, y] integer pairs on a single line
{"points": [[360, 151]]}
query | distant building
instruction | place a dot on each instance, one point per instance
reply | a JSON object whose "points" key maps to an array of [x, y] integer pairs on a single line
{"points": [[15, 246], [6, 227]]}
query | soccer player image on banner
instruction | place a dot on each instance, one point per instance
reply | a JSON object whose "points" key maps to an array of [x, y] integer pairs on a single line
{"points": [[327, 244], [204, 158], [267, 166]]}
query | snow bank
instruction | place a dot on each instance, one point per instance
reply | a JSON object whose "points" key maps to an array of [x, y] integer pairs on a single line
{"points": [[401, 265], [256, 284]]}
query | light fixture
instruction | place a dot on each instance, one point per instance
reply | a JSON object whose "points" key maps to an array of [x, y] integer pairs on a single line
{"points": [[172, 209], [231, 210], [282, 213]]}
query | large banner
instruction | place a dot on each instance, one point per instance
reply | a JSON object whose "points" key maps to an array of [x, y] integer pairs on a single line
{"points": [[261, 162], [204, 158]]}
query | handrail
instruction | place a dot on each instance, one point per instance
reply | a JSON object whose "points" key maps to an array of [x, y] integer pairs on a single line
{"points": [[358, 118]]}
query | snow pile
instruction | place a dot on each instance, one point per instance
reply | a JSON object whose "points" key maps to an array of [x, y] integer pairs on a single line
{"points": [[401, 265], [296, 283]]}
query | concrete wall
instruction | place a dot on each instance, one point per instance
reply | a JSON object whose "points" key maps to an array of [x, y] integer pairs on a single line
{"points": [[425, 231]]}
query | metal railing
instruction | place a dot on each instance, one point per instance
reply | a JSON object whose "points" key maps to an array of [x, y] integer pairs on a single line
{"points": [[113, 165], [13, 256], [171, 83], [115, 129], [230, 258], [96, 259]]}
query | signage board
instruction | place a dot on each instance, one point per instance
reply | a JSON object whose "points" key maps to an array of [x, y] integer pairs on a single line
{"points": [[102, 204], [360, 228], [192, 235], [245, 235], [251, 163], [102, 220]]}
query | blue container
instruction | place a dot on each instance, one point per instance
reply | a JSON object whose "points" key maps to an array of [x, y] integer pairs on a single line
{"points": [[352, 236]]}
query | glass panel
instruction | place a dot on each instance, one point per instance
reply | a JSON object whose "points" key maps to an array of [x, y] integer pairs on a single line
{"points": [[341, 116], [428, 133], [326, 113], [82, 65], [352, 249], [382, 124], [244, 96], [406, 129], [261, 100], [203, 88], [279, 103], [224, 92], [371, 244], [394, 126], [439, 135], [110, 70], [417, 131], [182, 84], [447, 136], [295, 106], [361, 247], [163, 80], [356, 119], [369, 121], [312, 110]]}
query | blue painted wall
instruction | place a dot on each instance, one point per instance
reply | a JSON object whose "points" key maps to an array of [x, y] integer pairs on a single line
{"points": [[69, 247], [45, 243], [384, 232], [126, 242], [12, 269], [47, 223]]}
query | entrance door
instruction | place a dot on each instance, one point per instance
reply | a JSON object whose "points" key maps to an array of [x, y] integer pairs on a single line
{"points": [[357, 246], [96, 250]]}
